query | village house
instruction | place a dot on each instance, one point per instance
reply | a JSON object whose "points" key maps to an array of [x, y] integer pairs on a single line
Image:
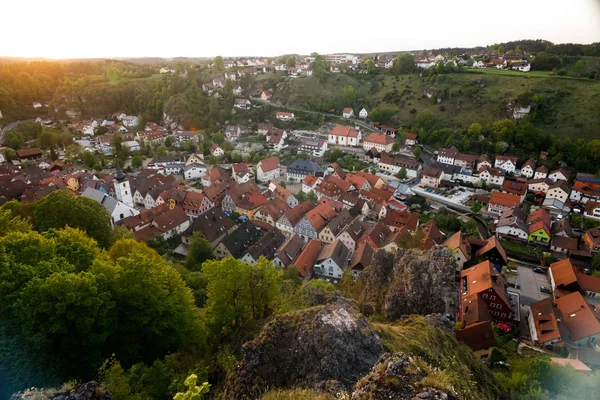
{"points": [[393, 165], [313, 147], [483, 162], [194, 171], [516, 188], [335, 227], [559, 190], [244, 199], [460, 248], [447, 156], [592, 209], [344, 136], [268, 169], [507, 164], [512, 225], [543, 324], [290, 218], [540, 185], [376, 236], [363, 113], [558, 175], [284, 116], [361, 259], [160, 221], [278, 192], [528, 168], [499, 202], [348, 112], [271, 211], [215, 175], [240, 172], [359, 182], [237, 242], [306, 260], [266, 247], [216, 150], [351, 234], [583, 191], [212, 224], [117, 209], [266, 96], [563, 244], [379, 141], [540, 173], [288, 251], [374, 180], [196, 203], [432, 177], [242, 104], [411, 139], [591, 239], [310, 183], [331, 261], [309, 225], [301, 168]]}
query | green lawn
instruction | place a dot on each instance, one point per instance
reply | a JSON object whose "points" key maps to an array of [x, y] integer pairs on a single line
{"points": [[515, 249]]}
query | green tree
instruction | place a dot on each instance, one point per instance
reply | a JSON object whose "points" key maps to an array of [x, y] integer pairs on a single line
{"points": [[136, 161], [301, 196], [404, 64], [476, 206], [219, 65], [48, 137], [500, 50], [425, 120], [349, 95], [12, 223], [161, 151], [193, 392], [60, 208], [312, 196], [475, 130], [199, 250], [402, 173], [396, 146], [116, 141], [282, 184], [218, 138], [213, 160], [370, 65], [89, 159], [14, 140]]}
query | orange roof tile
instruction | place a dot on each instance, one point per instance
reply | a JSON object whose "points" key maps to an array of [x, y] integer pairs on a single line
{"points": [[578, 316], [505, 199], [306, 259]]}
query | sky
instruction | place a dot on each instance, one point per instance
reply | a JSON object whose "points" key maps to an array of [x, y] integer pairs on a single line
{"points": [[202, 28]]}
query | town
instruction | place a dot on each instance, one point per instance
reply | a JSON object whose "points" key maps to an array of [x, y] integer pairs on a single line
{"points": [[322, 192]]}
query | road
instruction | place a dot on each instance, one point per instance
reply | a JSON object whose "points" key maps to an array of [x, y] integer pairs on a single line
{"points": [[354, 120], [6, 129], [529, 284]]}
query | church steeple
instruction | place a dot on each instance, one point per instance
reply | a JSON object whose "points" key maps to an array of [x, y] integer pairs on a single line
{"points": [[122, 188]]}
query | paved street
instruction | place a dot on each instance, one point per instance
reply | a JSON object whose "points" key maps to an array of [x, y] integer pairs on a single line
{"points": [[529, 284]]}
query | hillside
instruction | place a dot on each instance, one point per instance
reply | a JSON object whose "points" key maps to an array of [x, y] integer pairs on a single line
{"points": [[471, 96]]}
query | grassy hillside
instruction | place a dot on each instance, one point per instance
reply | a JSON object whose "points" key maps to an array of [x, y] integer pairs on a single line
{"points": [[455, 368], [571, 105]]}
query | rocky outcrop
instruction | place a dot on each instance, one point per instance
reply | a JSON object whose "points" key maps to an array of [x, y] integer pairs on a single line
{"points": [[88, 391], [407, 282], [396, 377], [327, 347]]}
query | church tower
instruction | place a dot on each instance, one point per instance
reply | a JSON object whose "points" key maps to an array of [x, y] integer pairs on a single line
{"points": [[122, 188]]}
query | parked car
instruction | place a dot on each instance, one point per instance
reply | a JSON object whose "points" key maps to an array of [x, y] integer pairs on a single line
{"points": [[545, 289], [539, 270]]}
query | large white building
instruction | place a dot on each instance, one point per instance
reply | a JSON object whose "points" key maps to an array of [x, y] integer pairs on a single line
{"points": [[342, 59]]}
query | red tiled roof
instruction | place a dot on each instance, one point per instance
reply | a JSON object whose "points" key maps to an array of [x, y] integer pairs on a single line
{"points": [[379, 138], [482, 277], [578, 316], [269, 164], [342, 130], [544, 318], [458, 240], [492, 243], [347, 110], [477, 336], [398, 219], [539, 225], [505, 199], [284, 114], [310, 180], [411, 136], [306, 259]]}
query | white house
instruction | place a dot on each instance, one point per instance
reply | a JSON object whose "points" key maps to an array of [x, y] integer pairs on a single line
{"points": [[380, 141], [117, 209], [507, 164], [540, 173], [348, 112], [344, 136], [528, 169], [310, 183], [132, 145], [164, 70], [242, 104], [216, 150], [558, 175], [432, 177], [592, 209], [194, 171], [314, 147], [363, 114], [130, 121], [447, 156], [559, 190], [331, 261], [268, 169], [285, 116]]}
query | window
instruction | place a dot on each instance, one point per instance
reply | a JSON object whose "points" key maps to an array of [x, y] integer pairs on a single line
{"points": [[503, 315], [126, 193], [492, 297], [496, 313], [493, 305]]}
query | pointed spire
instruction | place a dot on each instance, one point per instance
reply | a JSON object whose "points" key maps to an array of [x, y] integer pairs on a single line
{"points": [[119, 176]]}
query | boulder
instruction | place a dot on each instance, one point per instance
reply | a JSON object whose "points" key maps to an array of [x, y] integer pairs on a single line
{"points": [[328, 347]]}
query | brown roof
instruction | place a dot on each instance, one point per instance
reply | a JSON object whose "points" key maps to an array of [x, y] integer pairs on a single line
{"points": [[343, 130], [295, 214], [29, 152], [505, 199], [399, 161], [347, 110], [379, 138], [411, 136], [544, 318], [514, 187], [279, 192], [212, 224], [192, 200], [564, 242], [339, 182], [589, 283], [322, 214], [267, 245], [362, 257], [275, 208], [474, 309], [482, 277], [590, 206], [339, 222], [284, 114], [310, 180], [379, 234], [578, 316], [337, 251], [539, 215], [477, 336], [397, 219], [458, 240], [563, 272], [432, 172], [492, 243], [507, 158], [432, 235], [247, 196], [290, 249], [306, 259], [372, 179], [355, 180]]}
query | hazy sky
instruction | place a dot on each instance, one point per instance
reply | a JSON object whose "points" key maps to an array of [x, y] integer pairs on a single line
{"points": [[199, 28]]}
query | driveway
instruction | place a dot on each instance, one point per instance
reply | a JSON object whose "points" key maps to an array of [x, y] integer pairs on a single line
{"points": [[529, 284]]}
